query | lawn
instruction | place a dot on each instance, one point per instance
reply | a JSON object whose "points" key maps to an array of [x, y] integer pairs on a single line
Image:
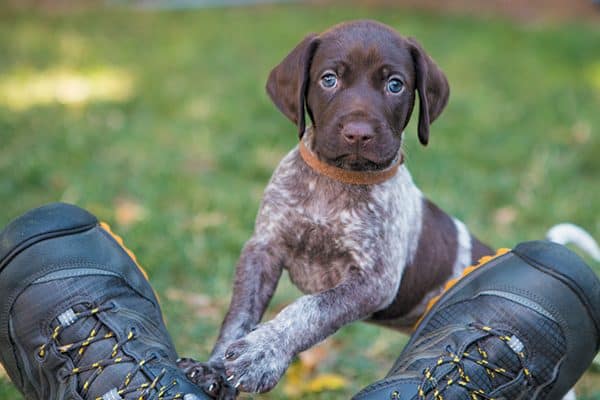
{"points": [[157, 121]]}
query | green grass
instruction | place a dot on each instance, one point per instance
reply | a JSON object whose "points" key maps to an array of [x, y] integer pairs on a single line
{"points": [[167, 110]]}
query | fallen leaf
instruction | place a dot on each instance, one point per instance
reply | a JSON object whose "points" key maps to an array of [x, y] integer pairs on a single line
{"points": [[505, 216], [326, 382], [129, 211], [301, 378], [294, 380], [315, 356]]}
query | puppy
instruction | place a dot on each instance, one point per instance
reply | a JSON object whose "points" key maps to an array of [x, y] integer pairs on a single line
{"points": [[341, 213]]}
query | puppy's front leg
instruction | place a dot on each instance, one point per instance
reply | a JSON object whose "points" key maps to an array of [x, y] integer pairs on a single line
{"points": [[257, 273], [256, 277], [256, 362]]}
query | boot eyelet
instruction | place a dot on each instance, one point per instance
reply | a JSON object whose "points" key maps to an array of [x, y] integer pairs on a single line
{"points": [[132, 330], [152, 354], [395, 395], [40, 355], [114, 307]]}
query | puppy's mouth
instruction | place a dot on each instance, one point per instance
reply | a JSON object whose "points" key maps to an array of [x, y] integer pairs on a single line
{"points": [[358, 162], [376, 154]]}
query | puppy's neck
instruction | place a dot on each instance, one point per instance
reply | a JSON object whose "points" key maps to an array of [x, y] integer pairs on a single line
{"points": [[343, 175]]}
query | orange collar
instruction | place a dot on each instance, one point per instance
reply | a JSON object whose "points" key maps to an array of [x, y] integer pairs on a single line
{"points": [[347, 176]]}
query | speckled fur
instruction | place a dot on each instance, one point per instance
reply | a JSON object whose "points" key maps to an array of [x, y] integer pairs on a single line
{"points": [[357, 252], [325, 231], [345, 246]]}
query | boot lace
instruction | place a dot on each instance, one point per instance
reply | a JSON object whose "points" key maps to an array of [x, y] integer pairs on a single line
{"points": [[434, 383], [150, 389]]}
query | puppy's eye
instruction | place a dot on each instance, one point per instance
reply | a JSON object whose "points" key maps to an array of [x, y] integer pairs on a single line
{"points": [[329, 80], [395, 86]]}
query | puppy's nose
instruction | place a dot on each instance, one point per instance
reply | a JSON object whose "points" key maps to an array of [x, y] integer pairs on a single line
{"points": [[358, 132]]}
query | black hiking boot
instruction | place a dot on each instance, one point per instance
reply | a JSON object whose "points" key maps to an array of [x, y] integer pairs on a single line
{"points": [[523, 325], [78, 318]]}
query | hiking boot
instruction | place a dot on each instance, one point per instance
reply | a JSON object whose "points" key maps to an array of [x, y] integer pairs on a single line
{"points": [[521, 325], [78, 318]]}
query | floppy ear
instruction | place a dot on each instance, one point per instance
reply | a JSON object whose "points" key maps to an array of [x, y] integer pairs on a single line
{"points": [[432, 86], [288, 82]]}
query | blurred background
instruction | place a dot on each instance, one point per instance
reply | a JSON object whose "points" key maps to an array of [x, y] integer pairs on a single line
{"points": [[153, 115]]}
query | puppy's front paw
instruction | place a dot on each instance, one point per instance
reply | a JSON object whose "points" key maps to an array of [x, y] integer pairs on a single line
{"points": [[256, 362], [210, 376]]}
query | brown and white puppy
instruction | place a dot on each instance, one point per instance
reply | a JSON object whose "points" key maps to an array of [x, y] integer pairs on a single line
{"points": [[375, 252]]}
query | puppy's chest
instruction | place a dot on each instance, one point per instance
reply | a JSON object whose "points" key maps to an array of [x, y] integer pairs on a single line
{"points": [[318, 253], [324, 228], [322, 241]]}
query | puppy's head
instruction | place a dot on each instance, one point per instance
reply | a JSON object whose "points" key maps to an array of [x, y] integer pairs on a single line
{"points": [[357, 81]]}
